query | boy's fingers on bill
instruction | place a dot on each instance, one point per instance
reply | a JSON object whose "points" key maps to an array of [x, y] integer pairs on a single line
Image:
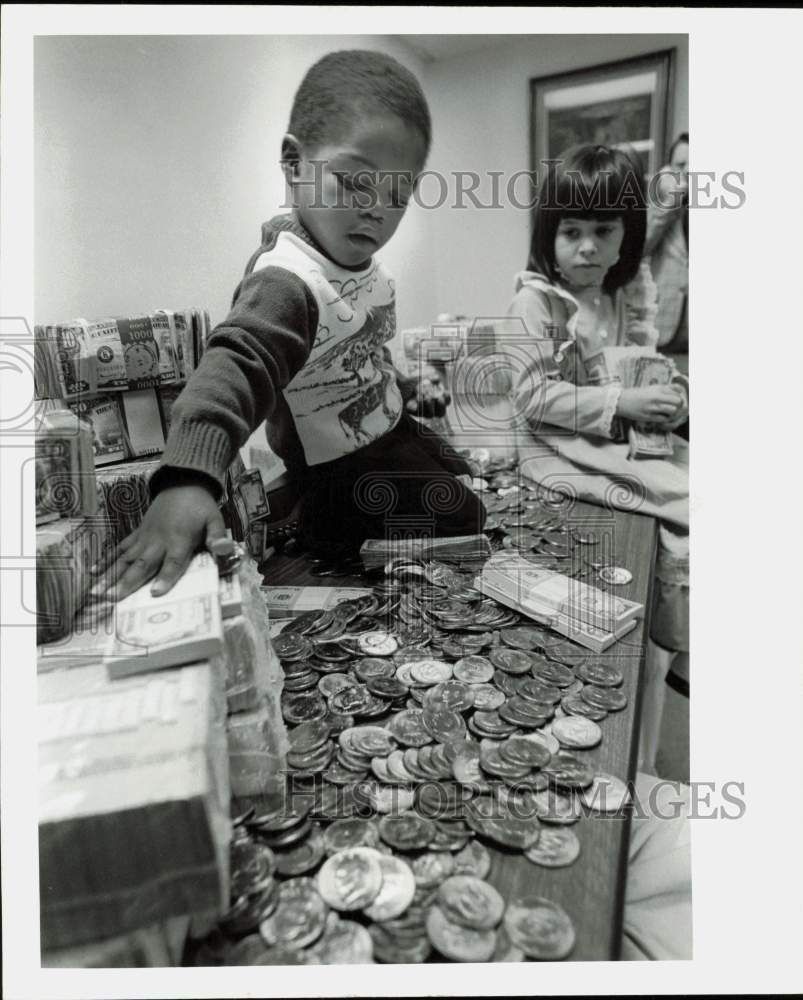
{"points": [[215, 528], [173, 568], [119, 551], [139, 571]]}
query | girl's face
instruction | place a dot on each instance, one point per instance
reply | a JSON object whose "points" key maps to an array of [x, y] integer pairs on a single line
{"points": [[586, 249]]}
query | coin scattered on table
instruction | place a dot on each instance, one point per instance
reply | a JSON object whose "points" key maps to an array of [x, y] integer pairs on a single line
{"points": [[350, 879], [557, 847], [616, 575], [541, 928]]}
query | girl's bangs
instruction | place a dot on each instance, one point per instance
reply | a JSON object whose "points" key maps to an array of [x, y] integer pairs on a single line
{"points": [[605, 195]]}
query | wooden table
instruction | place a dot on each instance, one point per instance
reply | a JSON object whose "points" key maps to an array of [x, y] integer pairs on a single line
{"points": [[592, 890]]}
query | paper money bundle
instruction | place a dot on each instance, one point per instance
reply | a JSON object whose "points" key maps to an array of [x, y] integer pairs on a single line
{"points": [[66, 550], [181, 626], [246, 509], [549, 590], [289, 602], [124, 496], [65, 467], [465, 549], [82, 357], [590, 616], [646, 440], [133, 800]]}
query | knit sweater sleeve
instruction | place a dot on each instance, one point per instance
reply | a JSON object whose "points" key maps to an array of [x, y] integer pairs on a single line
{"points": [[250, 357]]}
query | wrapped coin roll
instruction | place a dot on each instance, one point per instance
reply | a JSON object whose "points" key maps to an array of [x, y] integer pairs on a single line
{"points": [[133, 800], [65, 552]]}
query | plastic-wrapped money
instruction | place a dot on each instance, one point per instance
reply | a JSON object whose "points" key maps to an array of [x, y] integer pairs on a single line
{"points": [[65, 467], [136, 768]]}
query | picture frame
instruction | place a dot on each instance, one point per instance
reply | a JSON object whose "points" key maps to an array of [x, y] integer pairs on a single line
{"points": [[624, 102]]}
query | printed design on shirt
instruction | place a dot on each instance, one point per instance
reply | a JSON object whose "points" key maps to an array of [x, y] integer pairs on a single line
{"points": [[354, 362], [352, 288]]}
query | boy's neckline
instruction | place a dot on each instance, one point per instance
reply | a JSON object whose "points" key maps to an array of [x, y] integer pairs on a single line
{"points": [[290, 223]]}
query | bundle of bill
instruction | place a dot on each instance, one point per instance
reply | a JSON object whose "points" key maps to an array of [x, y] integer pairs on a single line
{"points": [[66, 551], [546, 590], [103, 415], [181, 626], [84, 357], [647, 440], [289, 602], [133, 800], [65, 467], [529, 582], [125, 493], [595, 639], [246, 508], [465, 549]]}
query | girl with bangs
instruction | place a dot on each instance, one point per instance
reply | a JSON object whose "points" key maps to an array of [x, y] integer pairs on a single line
{"points": [[586, 308]]}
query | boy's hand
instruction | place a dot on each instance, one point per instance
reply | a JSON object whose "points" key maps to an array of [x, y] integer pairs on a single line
{"points": [[179, 521], [429, 396], [654, 404]]}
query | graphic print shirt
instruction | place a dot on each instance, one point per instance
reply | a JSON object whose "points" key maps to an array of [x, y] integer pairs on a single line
{"points": [[303, 347]]}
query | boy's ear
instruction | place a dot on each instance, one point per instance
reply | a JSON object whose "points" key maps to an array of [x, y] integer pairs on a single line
{"points": [[291, 157]]}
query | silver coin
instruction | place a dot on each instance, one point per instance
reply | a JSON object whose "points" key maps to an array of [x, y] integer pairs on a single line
{"points": [[576, 731], [606, 794], [616, 575], [557, 847]]}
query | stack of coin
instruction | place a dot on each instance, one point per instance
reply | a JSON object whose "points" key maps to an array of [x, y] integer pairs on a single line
{"points": [[426, 722]]}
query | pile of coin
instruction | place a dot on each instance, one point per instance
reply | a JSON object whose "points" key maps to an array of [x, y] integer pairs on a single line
{"points": [[524, 516], [426, 724]]}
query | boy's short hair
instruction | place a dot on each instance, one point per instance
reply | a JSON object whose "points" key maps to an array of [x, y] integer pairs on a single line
{"points": [[339, 88], [591, 182]]}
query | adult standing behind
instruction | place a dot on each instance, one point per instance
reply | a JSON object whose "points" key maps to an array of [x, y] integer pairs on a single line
{"points": [[667, 246]]}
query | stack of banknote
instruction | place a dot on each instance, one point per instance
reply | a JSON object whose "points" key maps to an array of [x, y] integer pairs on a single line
{"points": [[464, 549]]}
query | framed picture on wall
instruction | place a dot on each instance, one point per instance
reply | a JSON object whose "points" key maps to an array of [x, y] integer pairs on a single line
{"points": [[626, 102]]}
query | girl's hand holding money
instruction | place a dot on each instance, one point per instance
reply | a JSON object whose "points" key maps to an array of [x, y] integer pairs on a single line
{"points": [[654, 404], [180, 520]]}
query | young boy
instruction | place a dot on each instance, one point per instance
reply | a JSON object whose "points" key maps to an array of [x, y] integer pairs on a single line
{"points": [[304, 344]]}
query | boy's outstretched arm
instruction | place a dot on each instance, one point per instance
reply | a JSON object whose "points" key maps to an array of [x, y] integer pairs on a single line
{"points": [[250, 358]]}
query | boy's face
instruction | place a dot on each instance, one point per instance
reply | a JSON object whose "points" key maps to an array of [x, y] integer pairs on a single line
{"points": [[350, 193]]}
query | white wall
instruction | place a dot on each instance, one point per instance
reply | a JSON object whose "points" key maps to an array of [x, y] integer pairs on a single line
{"points": [[157, 160], [480, 105]]}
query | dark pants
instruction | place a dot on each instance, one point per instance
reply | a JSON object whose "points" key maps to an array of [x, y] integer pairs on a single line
{"points": [[400, 486]]}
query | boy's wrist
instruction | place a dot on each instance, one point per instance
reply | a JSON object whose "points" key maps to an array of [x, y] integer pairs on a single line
{"points": [[170, 476]]}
